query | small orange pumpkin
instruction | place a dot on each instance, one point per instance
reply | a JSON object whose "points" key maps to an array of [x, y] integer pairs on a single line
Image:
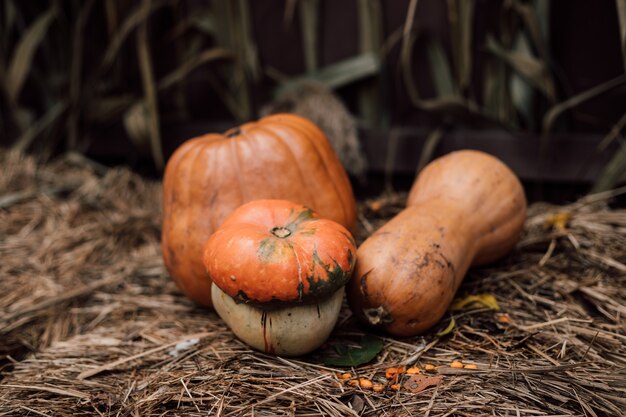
{"points": [[281, 156], [278, 273], [276, 251]]}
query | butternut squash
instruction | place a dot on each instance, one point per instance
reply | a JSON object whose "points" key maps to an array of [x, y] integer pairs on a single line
{"points": [[466, 208]]}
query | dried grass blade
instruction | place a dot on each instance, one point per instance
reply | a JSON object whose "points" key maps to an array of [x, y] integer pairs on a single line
{"points": [[526, 65], [532, 21], [189, 65], [41, 125], [112, 365], [149, 87], [309, 21], [347, 71], [10, 15], [132, 21], [552, 114], [110, 10], [621, 13], [461, 19], [75, 73], [21, 62], [612, 172], [65, 392], [371, 37], [428, 150], [440, 69]]}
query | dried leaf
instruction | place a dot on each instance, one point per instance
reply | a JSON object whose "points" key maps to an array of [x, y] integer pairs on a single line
{"points": [[558, 221], [521, 93], [526, 65], [448, 328], [533, 17], [481, 300], [419, 382], [21, 62], [346, 72], [551, 116], [351, 354], [453, 105], [137, 125]]}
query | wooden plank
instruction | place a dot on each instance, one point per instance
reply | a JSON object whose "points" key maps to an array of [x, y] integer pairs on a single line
{"points": [[569, 158]]}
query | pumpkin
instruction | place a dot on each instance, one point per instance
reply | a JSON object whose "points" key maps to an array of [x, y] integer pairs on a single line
{"points": [[278, 273], [466, 208], [281, 156]]}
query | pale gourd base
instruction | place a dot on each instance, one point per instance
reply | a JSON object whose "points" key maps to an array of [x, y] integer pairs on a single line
{"points": [[291, 331]]}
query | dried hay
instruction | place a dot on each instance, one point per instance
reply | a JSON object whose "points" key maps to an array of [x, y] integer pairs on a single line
{"points": [[90, 324]]}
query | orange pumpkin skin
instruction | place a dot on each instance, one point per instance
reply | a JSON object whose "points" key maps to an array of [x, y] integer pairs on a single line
{"points": [[466, 208], [275, 252], [281, 156]]}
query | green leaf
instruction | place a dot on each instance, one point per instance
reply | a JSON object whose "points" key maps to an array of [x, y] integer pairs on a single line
{"points": [[350, 354], [21, 62]]}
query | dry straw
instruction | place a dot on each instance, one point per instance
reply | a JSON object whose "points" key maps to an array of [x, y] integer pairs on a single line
{"points": [[90, 324]]}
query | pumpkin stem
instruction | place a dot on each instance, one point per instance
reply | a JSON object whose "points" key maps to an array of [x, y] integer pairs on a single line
{"points": [[281, 232], [231, 134], [377, 316]]}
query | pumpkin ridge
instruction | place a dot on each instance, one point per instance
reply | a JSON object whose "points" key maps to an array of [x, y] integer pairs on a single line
{"points": [[305, 134], [237, 159], [207, 174]]}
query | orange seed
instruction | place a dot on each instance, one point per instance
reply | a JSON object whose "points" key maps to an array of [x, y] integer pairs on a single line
{"points": [[456, 364], [378, 387]]}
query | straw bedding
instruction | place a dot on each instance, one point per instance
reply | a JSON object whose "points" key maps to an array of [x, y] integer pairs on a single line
{"points": [[90, 323]]}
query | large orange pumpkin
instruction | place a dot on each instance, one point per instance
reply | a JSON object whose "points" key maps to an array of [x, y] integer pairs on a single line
{"points": [[281, 156]]}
